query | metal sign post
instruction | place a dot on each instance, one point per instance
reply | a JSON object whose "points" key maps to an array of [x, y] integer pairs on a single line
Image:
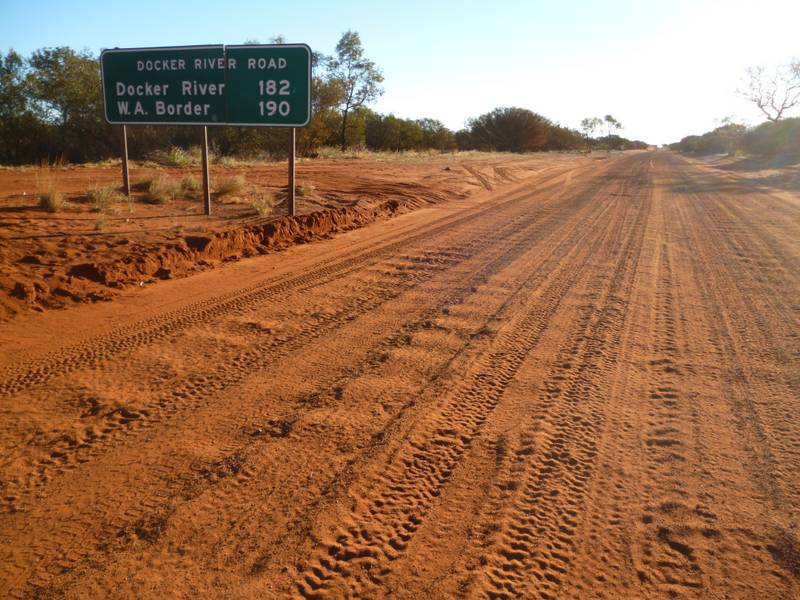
{"points": [[126, 180], [291, 207], [206, 182]]}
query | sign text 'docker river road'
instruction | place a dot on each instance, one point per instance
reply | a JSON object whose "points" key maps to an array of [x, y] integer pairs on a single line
{"points": [[253, 85]]}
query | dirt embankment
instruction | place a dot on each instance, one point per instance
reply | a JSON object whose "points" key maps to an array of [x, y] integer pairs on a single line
{"points": [[85, 253]]}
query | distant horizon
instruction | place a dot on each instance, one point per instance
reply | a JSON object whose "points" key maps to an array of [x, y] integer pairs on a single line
{"points": [[664, 72]]}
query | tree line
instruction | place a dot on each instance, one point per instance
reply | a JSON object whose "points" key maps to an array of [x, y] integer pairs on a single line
{"points": [[51, 109], [769, 139], [774, 92]]}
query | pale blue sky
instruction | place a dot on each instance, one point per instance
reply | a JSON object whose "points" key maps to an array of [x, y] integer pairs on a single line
{"points": [[664, 69]]}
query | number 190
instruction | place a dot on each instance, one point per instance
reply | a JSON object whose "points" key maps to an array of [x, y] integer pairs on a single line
{"points": [[270, 108]]}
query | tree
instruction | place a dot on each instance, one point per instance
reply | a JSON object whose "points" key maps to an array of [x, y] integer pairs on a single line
{"points": [[436, 135], [510, 130], [20, 130], [358, 77], [326, 96], [464, 139], [589, 125], [612, 124], [65, 92], [773, 139], [775, 92], [64, 83], [563, 138], [12, 85]]}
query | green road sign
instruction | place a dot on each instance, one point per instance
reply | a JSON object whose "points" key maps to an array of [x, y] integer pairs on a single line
{"points": [[251, 85], [164, 86], [268, 85]]}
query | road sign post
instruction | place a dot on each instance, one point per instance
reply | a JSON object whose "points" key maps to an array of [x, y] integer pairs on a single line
{"points": [[291, 207], [270, 86], [126, 179], [250, 85], [206, 178]]}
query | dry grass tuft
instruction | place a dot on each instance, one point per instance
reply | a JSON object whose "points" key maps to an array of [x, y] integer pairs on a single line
{"points": [[190, 184], [142, 185], [103, 197], [264, 203], [176, 157], [52, 201], [305, 189], [161, 191], [230, 186]]}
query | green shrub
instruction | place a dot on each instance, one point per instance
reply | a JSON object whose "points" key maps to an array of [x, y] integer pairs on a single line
{"points": [[774, 139], [103, 197], [174, 157], [231, 162]]}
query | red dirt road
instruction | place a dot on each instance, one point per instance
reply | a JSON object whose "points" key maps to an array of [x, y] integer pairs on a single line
{"points": [[584, 385]]}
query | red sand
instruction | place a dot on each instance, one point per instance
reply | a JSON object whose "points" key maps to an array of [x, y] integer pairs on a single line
{"points": [[580, 383]]}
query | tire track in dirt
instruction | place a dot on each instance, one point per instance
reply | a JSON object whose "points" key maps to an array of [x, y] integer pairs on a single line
{"points": [[676, 520], [755, 313], [381, 530], [586, 552], [408, 488], [583, 396], [639, 531], [693, 541], [65, 447], [69, 449], [522, 251], [670, 528], [533, 551], [99, 349], [520, 241], [440, 319], [463, 537], [758, 382], [682, 536]]}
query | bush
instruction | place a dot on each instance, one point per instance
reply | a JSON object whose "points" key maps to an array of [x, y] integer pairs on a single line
{"points": [[190, 184], [143, 184], [161, 191], [230, 186], [510, 130], [52, 201], [175, 157], [767, 140], [103, 197], [722, 140], [774, 139], [264, 203], [305, 189]]}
